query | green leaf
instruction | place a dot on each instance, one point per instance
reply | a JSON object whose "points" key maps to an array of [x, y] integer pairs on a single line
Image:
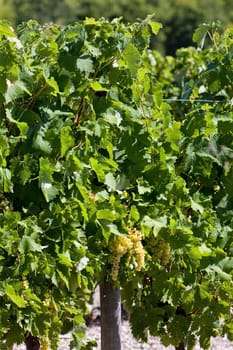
{"points": [[205, 292], [64, 278], [200, 34], [196, 206], [6, 184], [46, 179], [85, 65], [215, 270], [83, 209], [40, 142], [108, 228], [96, 86], [226, 264], [67, 140], [28, 244], [6, 30], [134, 213], [52, 83], [174, 135], [155, 224], [15, 90], [113, 229], [143, 189], [110, 181], [105, 214], [64, 260], [14, 336], [155, 27], [14, 297], [49, 191], [112, 116], [97, 169], [132, 58], [22, 126]]}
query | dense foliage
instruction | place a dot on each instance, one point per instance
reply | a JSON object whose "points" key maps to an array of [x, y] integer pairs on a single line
{"points": [[103, 138], [189, 200], [179, 18]]}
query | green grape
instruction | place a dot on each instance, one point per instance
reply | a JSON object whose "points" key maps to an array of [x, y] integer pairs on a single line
{"points": [[159, 249], [139, 256], [119, 246], [130, 245], [25, 282], [135, 235], [44, 344], [137, 250], [115, 267]]}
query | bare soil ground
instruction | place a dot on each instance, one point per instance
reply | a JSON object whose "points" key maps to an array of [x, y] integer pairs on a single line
{"points": [[130, 343]]}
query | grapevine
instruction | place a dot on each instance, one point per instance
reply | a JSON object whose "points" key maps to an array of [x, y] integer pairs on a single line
{"points": [[98, 133]]}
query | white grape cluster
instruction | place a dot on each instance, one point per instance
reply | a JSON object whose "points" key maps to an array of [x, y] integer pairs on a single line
{"points": [[25, 282], [160, 250], [44, 343], [131, 245], [137, 250]]}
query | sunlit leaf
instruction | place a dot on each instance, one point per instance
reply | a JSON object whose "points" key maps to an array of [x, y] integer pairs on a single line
{"points": [[155, 27], [132, 58], [14, 297], [28, 244], [67, 140], [85, 65]]}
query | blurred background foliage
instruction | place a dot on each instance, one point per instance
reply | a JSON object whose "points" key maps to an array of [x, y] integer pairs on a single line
{"points": [[179, 17]]}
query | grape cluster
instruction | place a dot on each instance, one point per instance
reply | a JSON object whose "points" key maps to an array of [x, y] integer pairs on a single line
{"points": [[4, 204], [137, 249], [130, 245], [25, 285], [44, 343], [159, 249], [25, 282], [92, 196], [118, 247]]}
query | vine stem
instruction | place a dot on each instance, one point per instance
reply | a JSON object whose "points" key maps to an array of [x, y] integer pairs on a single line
{"points": [[180, 346], [32, 343]]}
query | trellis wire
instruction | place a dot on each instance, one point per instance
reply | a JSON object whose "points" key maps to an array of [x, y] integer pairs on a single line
{"points": [[230, 102]]}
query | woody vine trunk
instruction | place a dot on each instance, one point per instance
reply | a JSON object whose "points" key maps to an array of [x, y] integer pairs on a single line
{"points": [[110, 302]]}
